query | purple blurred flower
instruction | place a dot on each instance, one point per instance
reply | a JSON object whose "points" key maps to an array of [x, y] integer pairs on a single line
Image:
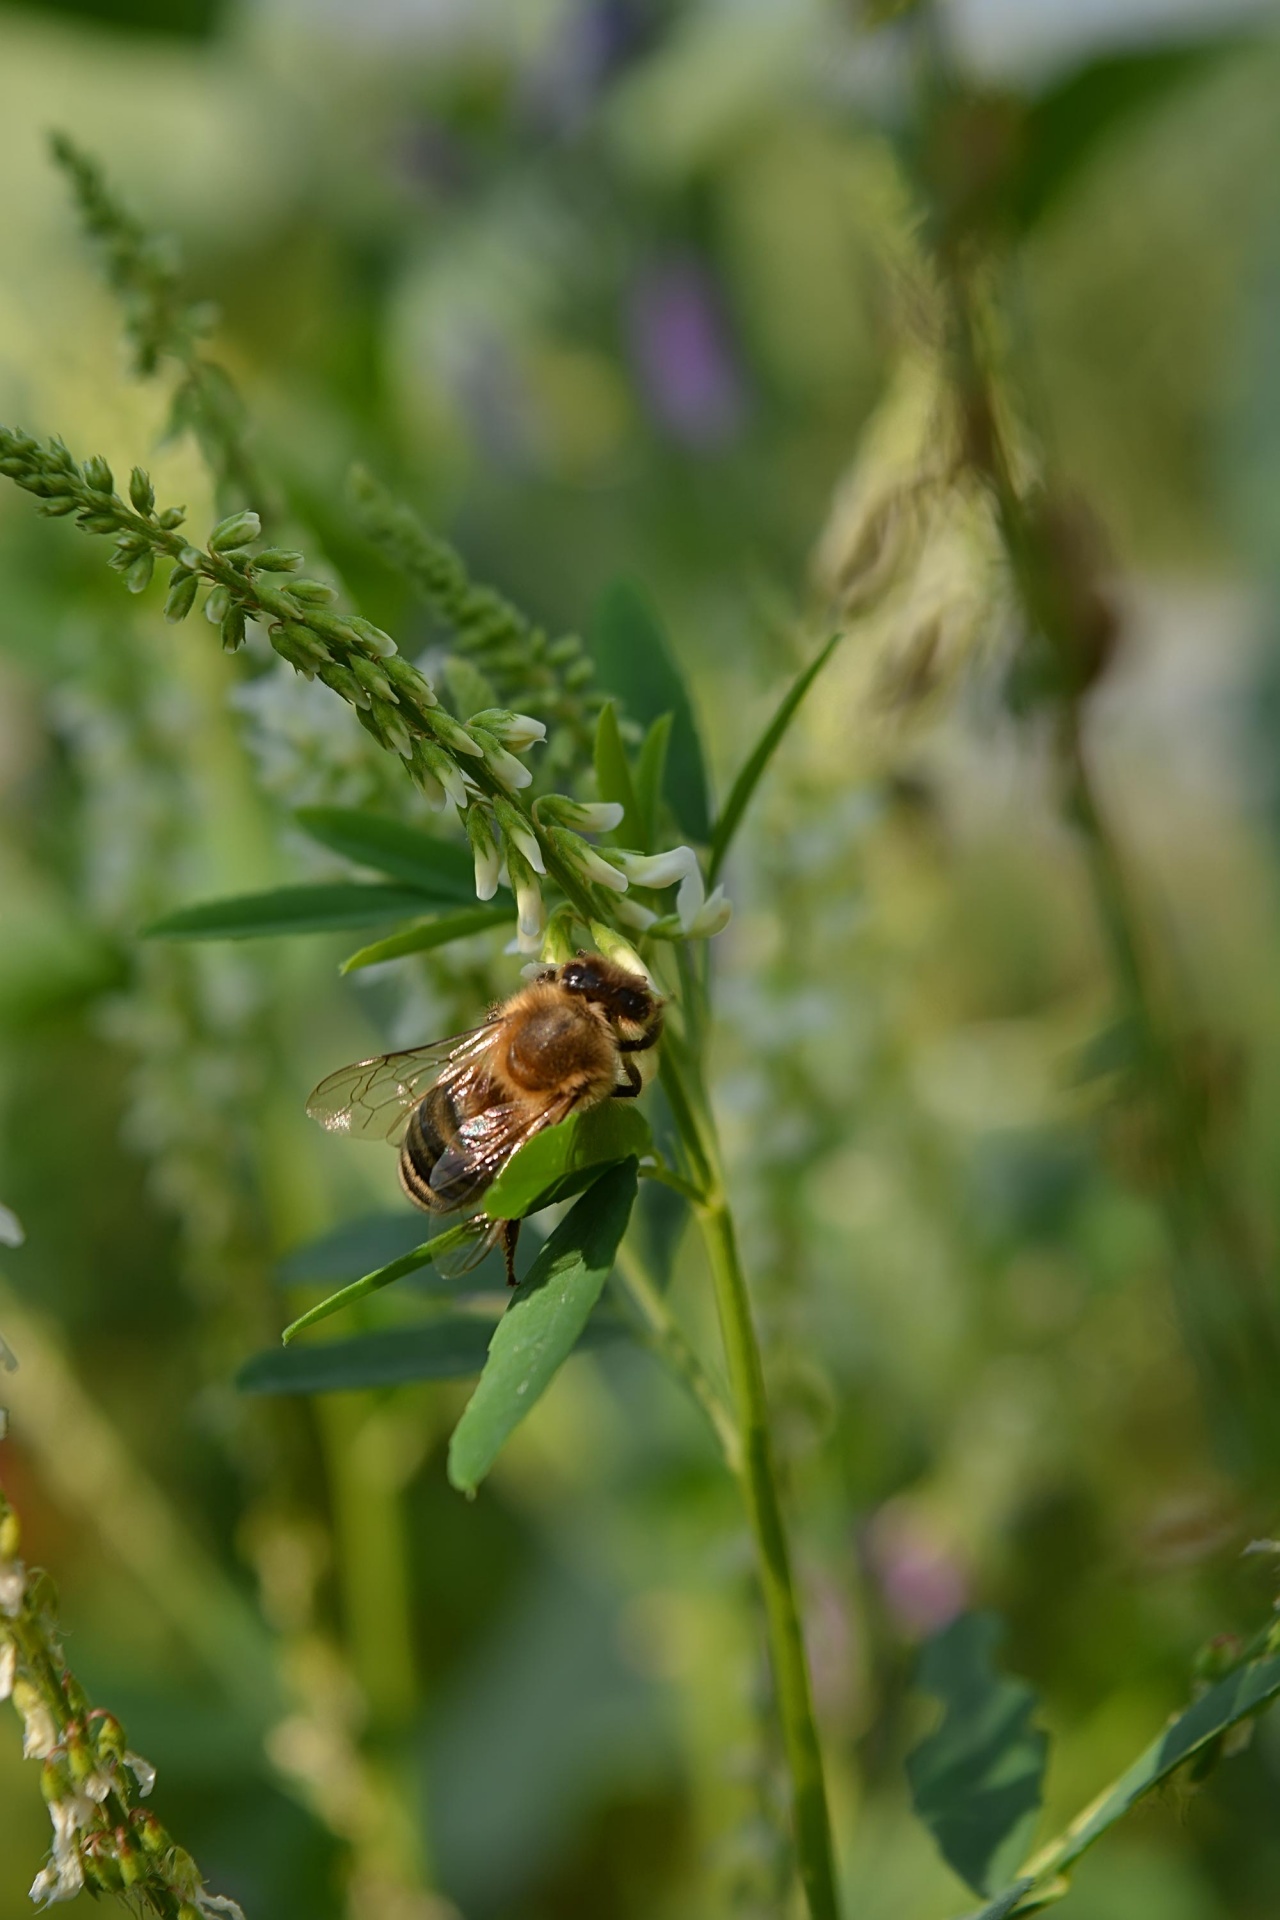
{"points": [[683, 355], [922, 1582]]}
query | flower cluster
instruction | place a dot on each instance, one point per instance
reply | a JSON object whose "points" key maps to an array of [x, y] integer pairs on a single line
{"points": [[473, 766], [104, 1840]]}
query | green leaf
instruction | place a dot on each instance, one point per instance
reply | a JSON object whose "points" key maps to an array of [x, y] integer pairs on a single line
{"points": [[449, 1347], [438, 868], [542, 1325], [1238, 1697], [426, 934], [584, 1143], [976, 1782], [759, 757], [258, 916], [613, 776], [1069, 122], [634, 662], [420, 1256], [651, 772]]}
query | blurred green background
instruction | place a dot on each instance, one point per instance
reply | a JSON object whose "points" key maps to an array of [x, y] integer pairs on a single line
{"points": [[613, 288]]}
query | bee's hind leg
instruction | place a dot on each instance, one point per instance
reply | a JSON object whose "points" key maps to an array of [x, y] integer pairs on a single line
{"points": [[508, 1238], [634, 1086]]}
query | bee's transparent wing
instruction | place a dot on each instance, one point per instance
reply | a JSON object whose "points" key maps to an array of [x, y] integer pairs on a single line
{"points": [[482, 1237], [374, 1098], [487, 1140]]}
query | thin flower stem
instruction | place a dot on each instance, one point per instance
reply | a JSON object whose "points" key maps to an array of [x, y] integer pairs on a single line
{"points": [[811, 1823], [668, 1340]]}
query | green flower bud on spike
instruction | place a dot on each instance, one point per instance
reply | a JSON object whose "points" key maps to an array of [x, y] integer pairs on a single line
{"points": [[98, 475], [141, 491], [172, 517], [216, 606], [238, 530], [138, 578], [233, 629], [181, 595], [312, 593], [278, 560]]}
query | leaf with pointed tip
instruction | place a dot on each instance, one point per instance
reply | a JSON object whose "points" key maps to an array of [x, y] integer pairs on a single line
{"points": [[356, 1248], [651, 772], [575, 1151], [613, 776], [543, 1324], [421, 1256], [286, 910], [976, 1782], [634, 661], [426, 934], [441, 869], [759, 757]]}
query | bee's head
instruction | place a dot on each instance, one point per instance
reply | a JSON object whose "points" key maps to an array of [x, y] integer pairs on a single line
{"points": [[621, 995]]}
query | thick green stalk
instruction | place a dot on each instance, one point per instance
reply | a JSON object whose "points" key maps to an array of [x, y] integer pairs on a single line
{"points": [[811, 1823]]}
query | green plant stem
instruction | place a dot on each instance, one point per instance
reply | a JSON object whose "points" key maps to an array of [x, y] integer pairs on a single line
{"points": [[811, 1823], [667, 1338]]}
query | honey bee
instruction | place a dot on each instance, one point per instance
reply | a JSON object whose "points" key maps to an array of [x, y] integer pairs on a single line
{"points": [[459, 1108]]}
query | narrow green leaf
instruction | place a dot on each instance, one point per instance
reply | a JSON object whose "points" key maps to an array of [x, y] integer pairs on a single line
{"points": [[634, 661], [651, 772], [613, 775], [439, 868], [536, 1175], [976, 1782], [542, 1325], [449, 1347], [426, 934], [1240, 1695], [318, 909], [420, 1256], [758, 759]]}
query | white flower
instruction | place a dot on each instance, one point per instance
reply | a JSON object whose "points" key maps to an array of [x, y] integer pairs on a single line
{"points": [[446, 774], [663, 870], [591, 864], [8, 1666], [97, 1787], [143, 1772], [39, 1731], [13, 1586], [218, 1903], [518, 731], [488, 857], [531, 915], [713, 917], [504, 766], [11, 1234], [521, 836], [632, 914], [596, 816]]}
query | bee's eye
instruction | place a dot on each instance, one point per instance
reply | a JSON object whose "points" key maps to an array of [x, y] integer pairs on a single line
{"points": [[633, 1005]]}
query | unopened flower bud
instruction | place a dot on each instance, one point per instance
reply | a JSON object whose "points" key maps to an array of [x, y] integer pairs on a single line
{"points": [[558, 943], [620, 951], [10, 1527], [141, 491], [181, 595], [98, 475], [8, 1665], [451, 735], [138, 577], [311, 593], [584, 816], [278, 560], [216, 605], [439, 765], [13, 1587], [237, 530]]}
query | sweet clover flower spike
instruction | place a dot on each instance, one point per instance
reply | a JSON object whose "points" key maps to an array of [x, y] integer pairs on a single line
{"points": [[103, 1841]]}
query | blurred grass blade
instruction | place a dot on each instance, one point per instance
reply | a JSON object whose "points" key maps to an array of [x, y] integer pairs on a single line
{"points": [[1238, 1697], [976, 1782], [449, 1347], [259, 916], [613, 776], [634, 661], [536, 1175], [651, 772], [543, 1323], [427, 934], [749, 778], [439, 868], [421, 1256]]}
